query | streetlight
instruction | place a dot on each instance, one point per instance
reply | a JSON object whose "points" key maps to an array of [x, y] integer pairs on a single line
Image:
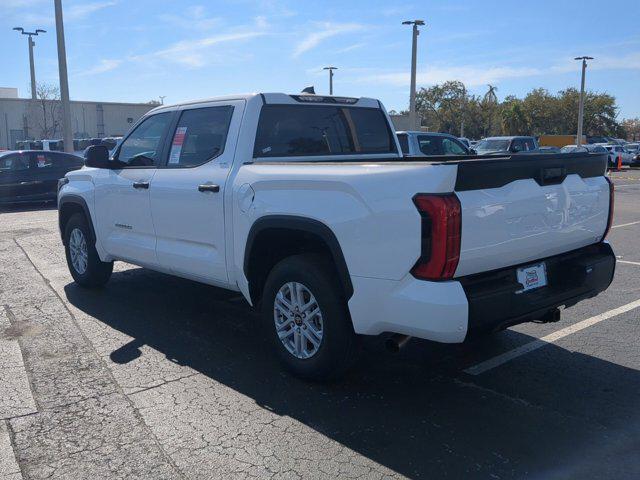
{"points": [[581, 104], [412, 93], [331, 69], [64, 80], [31, 62], [162, 97]]}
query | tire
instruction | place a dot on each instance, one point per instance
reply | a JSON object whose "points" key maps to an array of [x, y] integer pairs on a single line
{"points": [[338, 342], [89, 271]]}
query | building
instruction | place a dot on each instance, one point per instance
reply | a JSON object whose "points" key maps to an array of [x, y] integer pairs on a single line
{"points": [[26, 119]]}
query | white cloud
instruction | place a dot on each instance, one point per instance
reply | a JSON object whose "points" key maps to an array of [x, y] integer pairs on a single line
{"points": [[105, 65], [325, 30], [469, 75], [194, 17], [349, 48], [198, 53], [476, 75], [70, 14], [78, 12]]}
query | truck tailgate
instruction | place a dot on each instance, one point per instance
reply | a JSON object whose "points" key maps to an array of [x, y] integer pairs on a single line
{"points": [[527, 207]]}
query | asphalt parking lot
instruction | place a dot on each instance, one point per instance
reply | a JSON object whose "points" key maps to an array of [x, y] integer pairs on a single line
{"points": [[161, 378]]}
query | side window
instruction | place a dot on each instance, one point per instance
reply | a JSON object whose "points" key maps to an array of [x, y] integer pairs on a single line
{"points": [[44, 160], [307, 130], [200, 136], [451, 147], [403, 138], [14, 163], [430, 145], [529, 144], [517, 145], [142, 147]]}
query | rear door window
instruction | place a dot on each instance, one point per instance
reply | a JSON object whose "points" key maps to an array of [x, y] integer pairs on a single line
{"points": [[451, 147], [200, 135], [308, 130], [430, 145]]}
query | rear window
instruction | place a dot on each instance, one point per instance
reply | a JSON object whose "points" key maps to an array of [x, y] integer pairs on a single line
{"points": [[308, 130]]}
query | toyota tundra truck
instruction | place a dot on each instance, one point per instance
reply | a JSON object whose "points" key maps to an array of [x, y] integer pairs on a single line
{"points": [[305, 205]]}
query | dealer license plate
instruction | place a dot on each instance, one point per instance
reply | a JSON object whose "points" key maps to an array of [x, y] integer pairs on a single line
{"points": [[532, 276]]}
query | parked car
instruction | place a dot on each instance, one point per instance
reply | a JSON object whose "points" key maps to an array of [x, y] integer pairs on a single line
{"points": [[618, 151], [428, 144], [32, 175], [588, 148], [506, 145], [306, 205]]}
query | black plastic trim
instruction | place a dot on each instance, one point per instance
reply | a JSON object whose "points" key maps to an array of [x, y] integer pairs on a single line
{"points": [[77, 200], [490, 172], [302, 224], [572, 277]]}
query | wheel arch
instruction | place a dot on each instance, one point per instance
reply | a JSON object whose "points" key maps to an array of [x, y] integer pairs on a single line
{"points": [[68, 205], [289, 235]]}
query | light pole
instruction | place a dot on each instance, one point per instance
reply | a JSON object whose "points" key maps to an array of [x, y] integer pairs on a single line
{"points": [[31, 62], [414, 48], [331, 69], [162, 97], [581, 103], [64, 80]]}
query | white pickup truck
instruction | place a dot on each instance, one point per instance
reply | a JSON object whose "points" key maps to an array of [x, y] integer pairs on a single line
{"points": [[305, 205]]}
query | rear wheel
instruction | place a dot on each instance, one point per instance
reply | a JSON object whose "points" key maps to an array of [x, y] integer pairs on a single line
{"points": [[306, 314], [82, 258]]}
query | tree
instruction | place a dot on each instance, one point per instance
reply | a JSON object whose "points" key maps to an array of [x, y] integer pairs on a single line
{"points": [[514, 118], [442, 106], [446, 107], [44, 114], [631, 127]]}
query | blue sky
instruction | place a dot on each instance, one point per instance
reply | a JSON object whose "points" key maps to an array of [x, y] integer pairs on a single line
{"points": [[137, 50]]}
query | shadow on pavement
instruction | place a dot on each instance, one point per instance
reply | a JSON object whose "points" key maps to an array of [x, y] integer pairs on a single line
{"points": [[28, 206], [415, 413]]}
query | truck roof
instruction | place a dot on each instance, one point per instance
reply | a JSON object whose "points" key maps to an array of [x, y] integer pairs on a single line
{"points": [[283, 98]]}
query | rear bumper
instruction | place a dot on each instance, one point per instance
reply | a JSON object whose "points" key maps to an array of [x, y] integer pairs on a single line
{"points": [[572, 277], [456, 310]]}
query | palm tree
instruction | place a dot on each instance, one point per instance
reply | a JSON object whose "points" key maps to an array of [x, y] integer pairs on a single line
{"points": [[490, 96]]}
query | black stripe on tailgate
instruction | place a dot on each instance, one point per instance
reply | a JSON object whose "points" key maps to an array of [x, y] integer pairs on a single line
{"points": [[546, 169]]}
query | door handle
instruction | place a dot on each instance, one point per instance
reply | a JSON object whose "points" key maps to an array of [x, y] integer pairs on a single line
{"points": [[207, 187], [144, 185]]}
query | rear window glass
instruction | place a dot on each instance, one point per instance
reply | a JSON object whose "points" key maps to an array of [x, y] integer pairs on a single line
{"points": [[307, 130]]}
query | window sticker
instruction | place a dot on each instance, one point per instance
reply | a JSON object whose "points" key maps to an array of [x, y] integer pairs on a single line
{"points": [[176, 145], [41, 161]]}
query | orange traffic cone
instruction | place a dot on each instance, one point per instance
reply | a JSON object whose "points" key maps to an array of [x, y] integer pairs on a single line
{"points": [[619, 165]]}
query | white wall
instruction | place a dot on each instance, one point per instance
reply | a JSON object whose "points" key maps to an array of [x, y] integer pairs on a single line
{"points": [[117, 119]]}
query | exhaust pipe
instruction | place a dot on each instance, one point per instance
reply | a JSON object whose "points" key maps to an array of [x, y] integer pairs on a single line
{"points": [[396, 342]]}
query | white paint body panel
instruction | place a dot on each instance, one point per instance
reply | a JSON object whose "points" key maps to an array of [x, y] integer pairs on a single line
{"points": [[522, 221]]}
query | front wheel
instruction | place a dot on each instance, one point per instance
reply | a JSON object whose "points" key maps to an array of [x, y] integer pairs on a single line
{"points": [[306, 314], [82, 258]]}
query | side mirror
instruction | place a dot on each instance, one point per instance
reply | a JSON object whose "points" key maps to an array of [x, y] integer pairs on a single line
{"points": [[97, 156], [473, 151]]}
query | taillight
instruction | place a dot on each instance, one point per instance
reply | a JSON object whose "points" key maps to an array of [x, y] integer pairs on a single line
{"points": [[441, 231], [611, 205]]}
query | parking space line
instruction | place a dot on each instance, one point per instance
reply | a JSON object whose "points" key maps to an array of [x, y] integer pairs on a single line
{"points": [[626, 224], [552, 337], [628, 262]]}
